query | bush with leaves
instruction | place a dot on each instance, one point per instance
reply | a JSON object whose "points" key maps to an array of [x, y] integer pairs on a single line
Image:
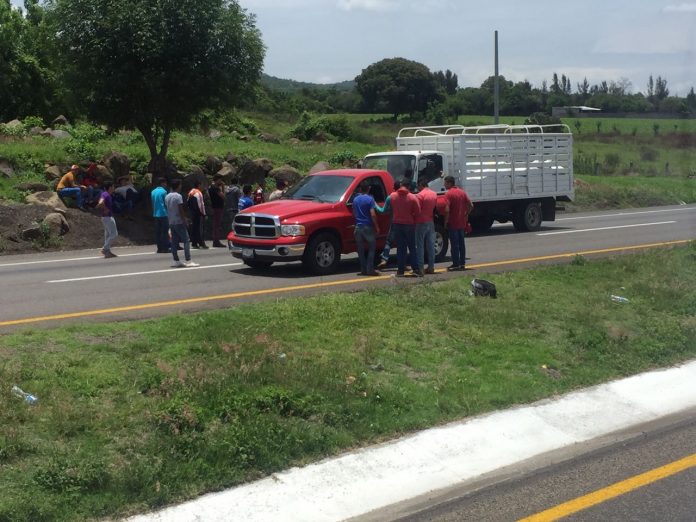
{"points": [[308, 127]]}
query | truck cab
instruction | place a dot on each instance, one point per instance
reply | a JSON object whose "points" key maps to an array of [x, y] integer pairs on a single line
{"points": [[414, 165]]}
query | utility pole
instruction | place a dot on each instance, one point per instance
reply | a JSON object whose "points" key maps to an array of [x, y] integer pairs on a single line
{"points": [[496, 86]]}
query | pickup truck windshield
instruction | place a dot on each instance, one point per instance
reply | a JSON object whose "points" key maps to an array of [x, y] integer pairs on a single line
{"points": [[398, 165], [325, 189]]}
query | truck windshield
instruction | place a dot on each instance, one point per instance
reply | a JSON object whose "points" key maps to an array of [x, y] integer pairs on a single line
{"points": [[398, 165], [325, 189]]}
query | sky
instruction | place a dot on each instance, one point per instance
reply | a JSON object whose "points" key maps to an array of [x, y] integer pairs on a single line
{"points": [[326, 41]]}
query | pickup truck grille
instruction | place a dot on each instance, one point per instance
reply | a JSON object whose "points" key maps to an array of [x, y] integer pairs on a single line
{"points": [[256, 226]]}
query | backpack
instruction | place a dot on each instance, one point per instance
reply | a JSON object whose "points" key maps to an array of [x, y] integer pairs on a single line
{"points": [[483, 288], [192, 204]]}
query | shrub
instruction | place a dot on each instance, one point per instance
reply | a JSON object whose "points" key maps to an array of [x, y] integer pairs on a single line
{"points": [[648, 155], [32, 121], [612, 161], [309, 127]]}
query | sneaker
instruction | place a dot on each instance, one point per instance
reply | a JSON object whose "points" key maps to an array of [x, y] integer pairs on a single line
{"points": [[163, 251], [383, 263], [414, 273], [372, 274], [203, 246], [217, 244], [195, 247], [429, 270], [178, 264], [454, 268], [109, 255], [101, 251], [400, 274], [191, 264]]}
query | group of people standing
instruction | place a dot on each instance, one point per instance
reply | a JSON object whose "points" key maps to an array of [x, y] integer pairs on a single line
{"points": [[412, 227]]}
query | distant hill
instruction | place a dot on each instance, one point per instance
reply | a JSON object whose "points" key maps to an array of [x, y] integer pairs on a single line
{"points": [[291, 86]]}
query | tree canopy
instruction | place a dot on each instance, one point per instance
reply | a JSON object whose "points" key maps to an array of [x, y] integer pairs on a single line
{"points": [[397, 86], [154, 64]]}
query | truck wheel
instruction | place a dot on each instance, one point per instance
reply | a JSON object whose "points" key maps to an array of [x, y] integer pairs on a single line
{"points": [[527, 217], [441, 243], [480, 224], [255, 263], [323, 254]]}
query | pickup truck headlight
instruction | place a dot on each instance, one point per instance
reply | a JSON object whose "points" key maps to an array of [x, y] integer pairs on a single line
{"points": [[292, 230]]}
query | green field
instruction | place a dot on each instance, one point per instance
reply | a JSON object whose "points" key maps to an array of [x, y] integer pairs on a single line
{"points": [[136, 415]]}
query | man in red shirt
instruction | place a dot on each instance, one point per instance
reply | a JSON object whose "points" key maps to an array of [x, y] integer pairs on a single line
{"points": [[425, 227], [405, 211], [456, 216]]}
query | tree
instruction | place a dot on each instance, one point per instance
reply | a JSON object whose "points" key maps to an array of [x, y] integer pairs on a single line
{"points": [[397, 86], [448, 81], [155, 64], [661, 90]]}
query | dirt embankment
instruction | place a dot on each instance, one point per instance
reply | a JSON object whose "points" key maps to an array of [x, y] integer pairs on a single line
{"points": [[85, 229]]}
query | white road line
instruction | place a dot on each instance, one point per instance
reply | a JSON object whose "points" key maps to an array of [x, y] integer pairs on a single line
{"points": [[604, 228], [619, 214], [45, 261], [109, 276]]}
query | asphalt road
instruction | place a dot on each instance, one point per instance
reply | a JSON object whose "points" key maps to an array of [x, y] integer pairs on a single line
{"points": [[594, 477], [53, 288]]}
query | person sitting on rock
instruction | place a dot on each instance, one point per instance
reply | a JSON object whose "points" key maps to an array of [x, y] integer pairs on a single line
{"points": [[125, 195], [90, 180], [281, 187], [67, 187]]}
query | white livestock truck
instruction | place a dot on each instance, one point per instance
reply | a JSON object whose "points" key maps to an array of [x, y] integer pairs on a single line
{"points": [[511, 172]]}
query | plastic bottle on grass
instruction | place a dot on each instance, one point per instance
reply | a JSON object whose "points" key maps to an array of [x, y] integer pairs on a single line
{"points": [[28, 397], [619, 299]]}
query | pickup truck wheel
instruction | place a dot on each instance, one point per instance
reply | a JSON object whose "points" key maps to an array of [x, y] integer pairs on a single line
{"points": [[322, 255], [527, 217], [255, 263], [480, 224], [441, 243]]}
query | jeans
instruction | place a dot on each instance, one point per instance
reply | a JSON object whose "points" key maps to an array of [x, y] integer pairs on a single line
{"points": [[110, 232], [197, 220], [179, 235], [365, 234], [405, 236], [93, 194], [388, 244], [161, 229], [72, 192], [425, 240], [456, 236]]}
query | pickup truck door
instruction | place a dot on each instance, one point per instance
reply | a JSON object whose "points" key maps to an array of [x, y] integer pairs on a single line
{"points": [[377, 191]]}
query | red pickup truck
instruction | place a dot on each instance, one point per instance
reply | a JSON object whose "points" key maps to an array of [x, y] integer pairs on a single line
{"points": [[312, 223]]}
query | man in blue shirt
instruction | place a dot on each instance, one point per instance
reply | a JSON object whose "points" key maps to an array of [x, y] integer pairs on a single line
{"points": [[159, 212], [245, 201], [366, 229]]}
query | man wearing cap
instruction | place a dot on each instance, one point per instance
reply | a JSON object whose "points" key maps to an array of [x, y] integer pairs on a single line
{"points": [[67, 187]]}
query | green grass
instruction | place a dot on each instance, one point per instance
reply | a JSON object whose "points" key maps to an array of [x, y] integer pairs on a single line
{"points": [[136, 415]]}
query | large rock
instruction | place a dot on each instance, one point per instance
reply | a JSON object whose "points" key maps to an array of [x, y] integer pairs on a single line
{"points": [[14, 124], [286, 173], [118, 163], [104, 174], [35, 131], [213, 164], [228, 172], [60, 134], [318, 167], [56, 223], [214, 134], [268, 138], [255, 171], [32, 187], [196, 174], [6, 168], [52, 172], [46, 133], [46, 198], [31, 233], [60, 120], [294, 142]]}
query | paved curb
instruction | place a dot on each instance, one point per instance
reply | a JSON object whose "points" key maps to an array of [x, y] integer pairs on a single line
{"points": [[378, 476]]}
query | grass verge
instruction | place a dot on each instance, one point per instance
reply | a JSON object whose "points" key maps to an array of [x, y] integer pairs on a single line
{"points": [[132, 416]]}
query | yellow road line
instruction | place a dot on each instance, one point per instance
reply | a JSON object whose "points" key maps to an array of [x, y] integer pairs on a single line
{"points": [[286, 289], [615, 490]]}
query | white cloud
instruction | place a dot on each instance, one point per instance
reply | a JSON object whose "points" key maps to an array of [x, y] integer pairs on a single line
{"points": [[680, 8], [657, 39], [367, 5]]}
